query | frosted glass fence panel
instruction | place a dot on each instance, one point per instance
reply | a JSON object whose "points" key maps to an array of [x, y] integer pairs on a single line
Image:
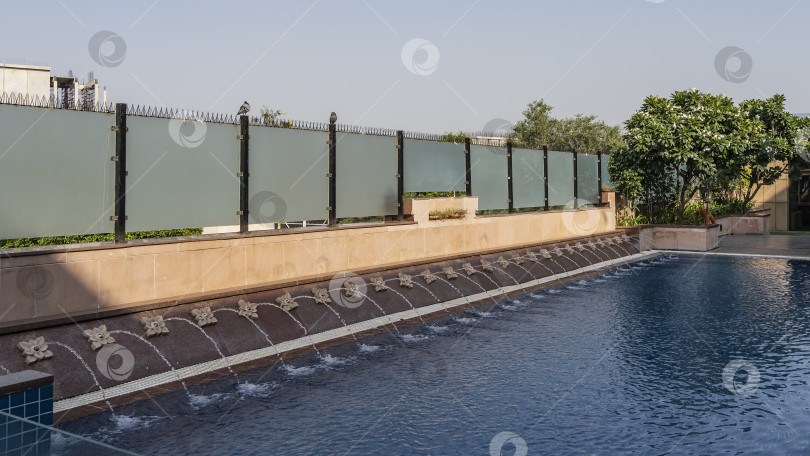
{"points": [[366, 175], [587, 179], [489, 183], [56, 176], [288, 170], [560, 179], [527, 172], [182, 174], [432, 166], [606, 182]]}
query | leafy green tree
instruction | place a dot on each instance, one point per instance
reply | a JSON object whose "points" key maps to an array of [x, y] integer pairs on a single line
{"points": [[581, 133], [771, 153], [585, 134], [691, 134], [534, 130], [652, 187]]}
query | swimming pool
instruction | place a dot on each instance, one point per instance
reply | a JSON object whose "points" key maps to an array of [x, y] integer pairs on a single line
{"points": [[686, 354]]}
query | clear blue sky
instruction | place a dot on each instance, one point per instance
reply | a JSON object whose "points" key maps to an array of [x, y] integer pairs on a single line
{"points": [[309, 58]]}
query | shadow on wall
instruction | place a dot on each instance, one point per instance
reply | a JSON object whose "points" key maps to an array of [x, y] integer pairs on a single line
{"points": [[43, 285]]}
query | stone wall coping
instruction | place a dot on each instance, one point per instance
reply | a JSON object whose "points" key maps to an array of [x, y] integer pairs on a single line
{"points": [[555, 211], [23, 380], [99, 246], [86, 283], [93, 314], [90, 246], [441, 198], [682, 227], [744, 216]]}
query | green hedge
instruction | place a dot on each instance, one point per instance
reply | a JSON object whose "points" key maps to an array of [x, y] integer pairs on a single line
{"points": [[86, 238]]}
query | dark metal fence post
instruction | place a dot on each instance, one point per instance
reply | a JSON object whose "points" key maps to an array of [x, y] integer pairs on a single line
{"points": [[332, 167], [400, 175], [120, 159], [599, 175], [576, 184], [509, 180], [244, 173], [545, 176], [468, 181]]}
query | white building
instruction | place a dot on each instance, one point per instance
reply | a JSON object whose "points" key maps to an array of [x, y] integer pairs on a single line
{"points": [[34, 81]]}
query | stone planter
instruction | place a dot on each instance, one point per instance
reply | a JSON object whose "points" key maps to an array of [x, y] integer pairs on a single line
{"points": [[749, 224], [420, 208], [449, 217], [675, 237]]}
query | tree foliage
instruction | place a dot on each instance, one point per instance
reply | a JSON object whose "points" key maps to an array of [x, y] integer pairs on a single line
{"points": [[692, 135], [272, 118], [774, 150], [455, 138], [581, 133], [709, 145]]}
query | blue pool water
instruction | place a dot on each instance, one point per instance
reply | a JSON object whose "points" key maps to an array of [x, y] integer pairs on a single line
{"points": [[627, 362]]}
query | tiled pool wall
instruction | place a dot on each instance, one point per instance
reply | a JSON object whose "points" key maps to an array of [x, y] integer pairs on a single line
{"points": [[27, 395]]}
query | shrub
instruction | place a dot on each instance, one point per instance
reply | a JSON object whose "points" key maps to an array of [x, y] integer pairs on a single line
{"points": [[88, 238], [447, 214]]}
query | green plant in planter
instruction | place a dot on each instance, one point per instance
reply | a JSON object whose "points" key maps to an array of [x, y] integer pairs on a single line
{"points": [[88, 238], [447, 214]]}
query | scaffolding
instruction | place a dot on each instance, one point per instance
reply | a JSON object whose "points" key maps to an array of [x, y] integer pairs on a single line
{"points": [[68, 91]]}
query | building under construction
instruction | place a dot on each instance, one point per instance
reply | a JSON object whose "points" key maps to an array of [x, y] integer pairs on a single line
{"points": [[35, 82]]}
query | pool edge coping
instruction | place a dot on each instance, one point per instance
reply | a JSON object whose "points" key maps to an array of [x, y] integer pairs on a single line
{"points": [[736, 254]]}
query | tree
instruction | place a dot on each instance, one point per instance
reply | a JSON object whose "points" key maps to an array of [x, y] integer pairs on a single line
{"points": [[773, 151], [453, 137], [581, 133], [271, 118], [585, 134], [534, 131], [690, 134]]}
